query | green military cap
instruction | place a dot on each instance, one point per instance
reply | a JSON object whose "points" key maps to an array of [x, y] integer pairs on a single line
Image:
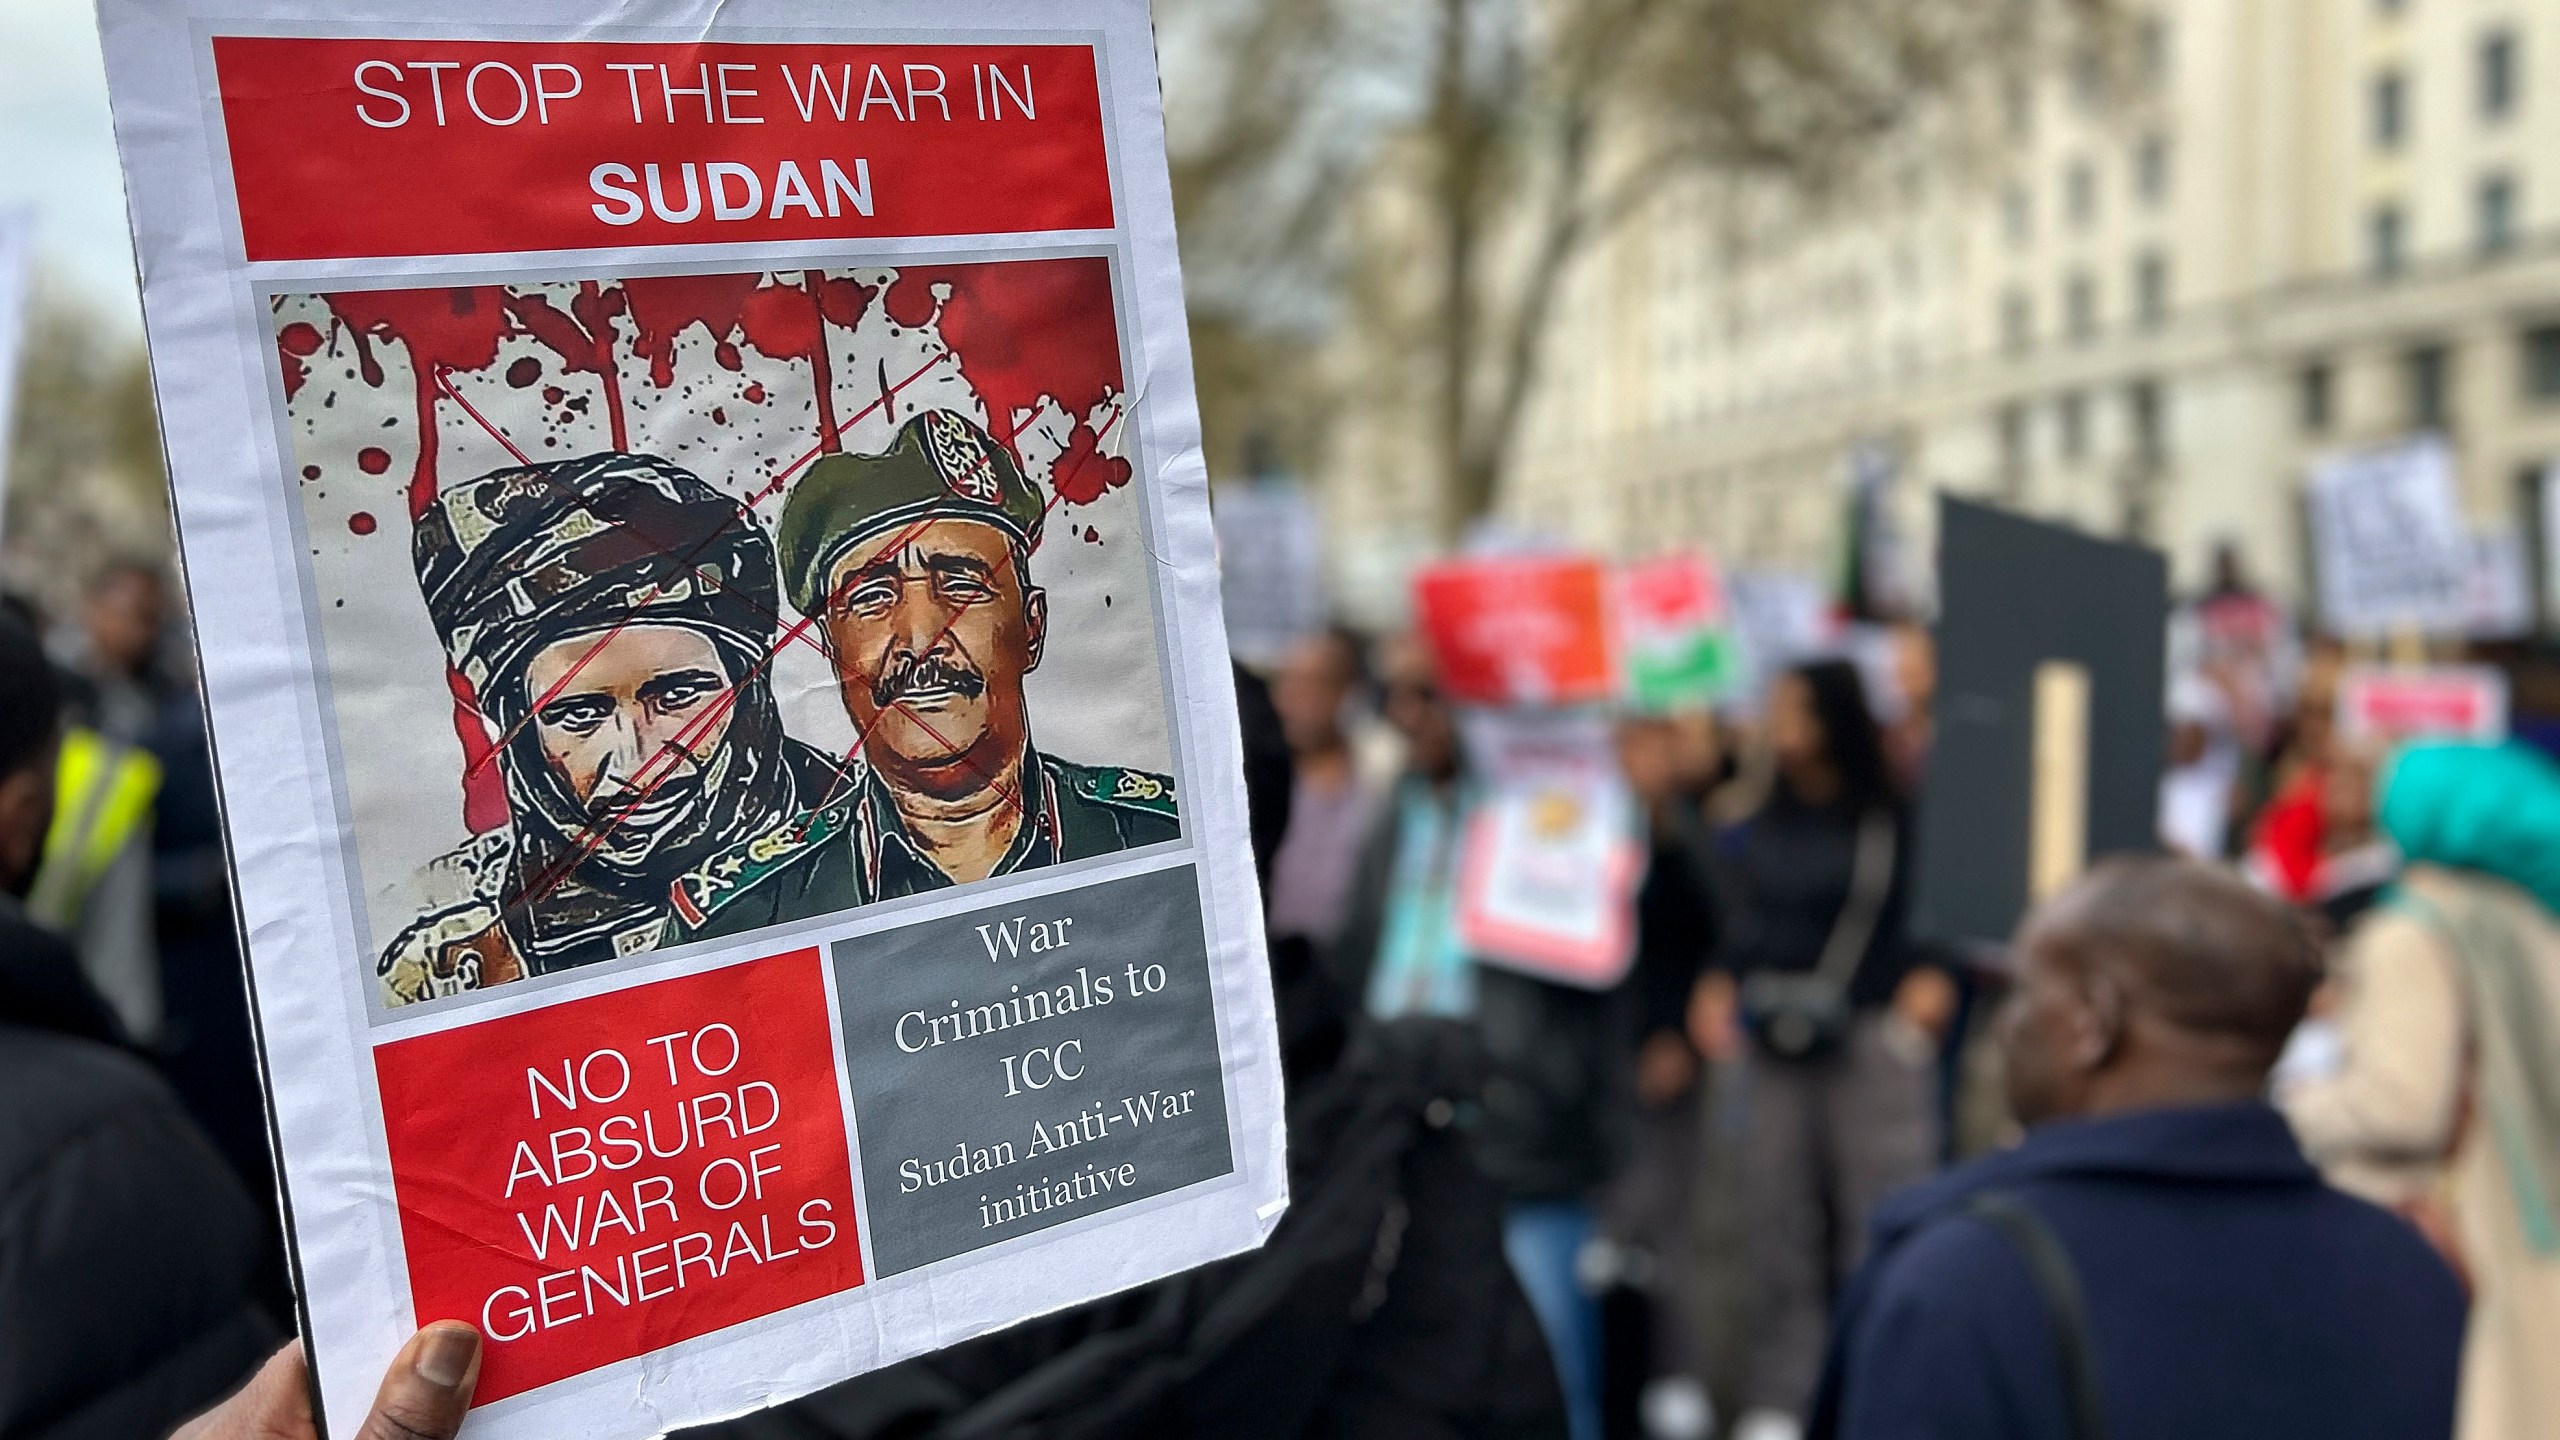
{"points": [[941, 466]]}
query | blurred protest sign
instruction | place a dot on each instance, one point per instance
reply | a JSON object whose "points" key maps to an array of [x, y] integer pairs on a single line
{"points": [[17, 236], [1675, 635], [1519, 629], [2392, 551], [1780, 617], [2387, 704], [2050, 672], [2497, 591], [622, 557], [1270, 567], [1548, 872]]}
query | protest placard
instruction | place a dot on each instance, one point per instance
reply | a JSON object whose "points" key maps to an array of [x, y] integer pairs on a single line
{"points": [[2393, 552], [1550, 861], [710, 625], [1519, 629], [1675, 635], [2384, 705], [1270, 567]]}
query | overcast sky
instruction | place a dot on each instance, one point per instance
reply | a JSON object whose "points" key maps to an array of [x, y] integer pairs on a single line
{"points": [[57, 152]]}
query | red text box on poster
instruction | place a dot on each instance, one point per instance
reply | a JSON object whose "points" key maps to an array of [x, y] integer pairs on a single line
{"points": [[348, 148], [605, 1177], [1526, 630]]}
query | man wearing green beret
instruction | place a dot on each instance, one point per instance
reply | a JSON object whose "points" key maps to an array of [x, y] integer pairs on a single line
{"points": [[916, 566]]}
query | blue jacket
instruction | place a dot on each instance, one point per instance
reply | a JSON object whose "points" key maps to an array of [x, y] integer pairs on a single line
{"points": [[2230, 1296]]}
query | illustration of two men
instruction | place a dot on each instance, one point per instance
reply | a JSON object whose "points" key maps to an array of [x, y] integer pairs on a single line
{"points": [[615, 617]]}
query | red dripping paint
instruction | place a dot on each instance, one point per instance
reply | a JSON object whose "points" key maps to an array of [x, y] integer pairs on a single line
{"points": [[445, 329], [726, 355], [789, 322], [373, 459], [1083, 473], [484, 790], [663, 307], [295, 343], [754, 393], [524, 372], [719, 416], [583, 338], [1023, 329], [553, 394], [310, 472], [361, 522]]}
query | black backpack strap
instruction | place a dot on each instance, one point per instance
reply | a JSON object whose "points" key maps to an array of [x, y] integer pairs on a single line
{"points": [[2059, 1287]]}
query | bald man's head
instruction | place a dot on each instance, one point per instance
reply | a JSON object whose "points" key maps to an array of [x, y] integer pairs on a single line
{"points": [[2153, 981]]}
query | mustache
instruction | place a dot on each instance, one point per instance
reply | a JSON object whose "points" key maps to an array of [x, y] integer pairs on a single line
{"points": [[911, 673], [629, 803]]}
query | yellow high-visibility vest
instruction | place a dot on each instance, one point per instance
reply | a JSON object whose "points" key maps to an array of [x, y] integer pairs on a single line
{"points": [[102, 794]]}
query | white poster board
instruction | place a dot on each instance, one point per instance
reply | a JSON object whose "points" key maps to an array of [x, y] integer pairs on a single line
{"points": [[2393, 550], [1271, 567], [711, 630], [2384, 705], [1551, 858]]}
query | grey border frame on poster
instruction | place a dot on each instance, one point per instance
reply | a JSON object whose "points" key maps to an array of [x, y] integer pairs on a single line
{"points": [[202, 312]]}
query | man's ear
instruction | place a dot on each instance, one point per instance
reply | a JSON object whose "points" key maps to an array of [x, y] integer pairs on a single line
{"points": [[2104, 1017], [1035, 624]]}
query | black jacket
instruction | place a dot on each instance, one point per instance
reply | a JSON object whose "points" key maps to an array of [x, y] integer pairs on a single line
{"points": [[1554, 1123], [1786, 876], [127, 1249]]}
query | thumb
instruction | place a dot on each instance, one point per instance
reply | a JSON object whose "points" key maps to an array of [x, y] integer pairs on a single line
{"points": [[428, 1386]]}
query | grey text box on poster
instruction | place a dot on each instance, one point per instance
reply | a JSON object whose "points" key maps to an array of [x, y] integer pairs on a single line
{"points": [[1030, 1063]]}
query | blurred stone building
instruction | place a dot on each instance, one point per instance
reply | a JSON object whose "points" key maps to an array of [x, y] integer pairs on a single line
{"points": [[2143, 290]]}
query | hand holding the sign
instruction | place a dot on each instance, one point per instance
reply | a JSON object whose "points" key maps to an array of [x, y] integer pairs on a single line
{"points": [[423, 1395]]}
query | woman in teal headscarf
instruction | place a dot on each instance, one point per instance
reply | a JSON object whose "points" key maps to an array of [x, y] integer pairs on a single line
{"points": [[2448, 1103]]}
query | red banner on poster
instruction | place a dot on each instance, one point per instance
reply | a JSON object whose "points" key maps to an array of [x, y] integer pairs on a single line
{"points": [[1520, 631], [601, 1178], [346, 148]]}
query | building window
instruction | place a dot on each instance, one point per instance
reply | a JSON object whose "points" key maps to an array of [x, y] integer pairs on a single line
{"points": [[2318, 387], [2390, 110], [2498, 75], [2017, 214], [2017, 321], [2151, 51], [2071, 414], [2012, 480], [2088, 78], [2150, 427], [2497, 205], [2080, 306], [2386, 240], [2080, 189], [2151, 287], [2151, 169], [2542, 364], [2429, 375]]}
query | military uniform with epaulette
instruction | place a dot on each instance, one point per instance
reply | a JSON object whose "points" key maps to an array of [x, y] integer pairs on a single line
{"points": [[858, 849]]}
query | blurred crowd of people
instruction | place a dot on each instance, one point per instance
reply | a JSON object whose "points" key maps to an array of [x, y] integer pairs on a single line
{"points": [[1789, 1176]]}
